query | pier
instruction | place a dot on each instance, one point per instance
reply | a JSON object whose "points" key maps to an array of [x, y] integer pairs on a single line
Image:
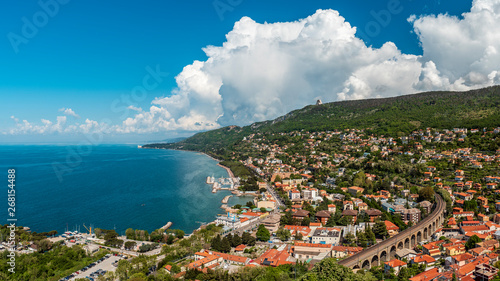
{"points": [[167, 226], [224, 201]]}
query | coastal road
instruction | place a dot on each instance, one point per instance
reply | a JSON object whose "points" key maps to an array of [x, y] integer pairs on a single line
{"points": [[270, 189], [276, 197]]}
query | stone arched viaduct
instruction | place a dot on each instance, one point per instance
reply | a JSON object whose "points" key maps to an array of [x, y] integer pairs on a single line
{"points": [[386, 250]]}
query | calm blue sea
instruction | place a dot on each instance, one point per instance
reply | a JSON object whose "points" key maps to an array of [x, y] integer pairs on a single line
{"points": [[110, 186]]}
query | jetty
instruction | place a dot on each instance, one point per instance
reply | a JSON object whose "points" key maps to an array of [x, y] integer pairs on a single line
{"points": [[224, 201], [167, 226], [210, 180]]}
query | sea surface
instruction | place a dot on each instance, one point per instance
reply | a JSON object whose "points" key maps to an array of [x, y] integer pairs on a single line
{"points": [[60, 187]]}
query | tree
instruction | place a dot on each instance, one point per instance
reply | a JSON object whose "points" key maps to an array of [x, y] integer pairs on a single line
{"points": [[175, 268], [288, 219], [248, 239], [470, 205], [277, 179], [98, 232], [236, 241], [225, 245], [43, 245], [245, 237], [471, 243], [329, 270], [130, 244], [362, 240], [130, 233], [262, 233], [380, 230], [179, 233], [283, 234], [156, 236], [344, 221], [305, 221], [170, 239], [331, 221], [216, 243], [298, 236], [370, 235], [427, 193], [349, 238], [110, 234]]}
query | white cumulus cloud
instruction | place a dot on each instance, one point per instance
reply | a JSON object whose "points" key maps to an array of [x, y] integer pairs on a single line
{"points": [[264, 70], [69, 112], [464, 51], [134, 108]]}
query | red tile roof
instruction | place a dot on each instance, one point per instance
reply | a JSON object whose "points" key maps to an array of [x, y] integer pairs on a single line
{"points": [[426, 275], [395, 263], [424, 259], [273, 257], [390, 226]]}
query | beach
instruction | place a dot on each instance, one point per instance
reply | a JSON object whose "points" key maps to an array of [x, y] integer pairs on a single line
{"points": [[229, 172]]}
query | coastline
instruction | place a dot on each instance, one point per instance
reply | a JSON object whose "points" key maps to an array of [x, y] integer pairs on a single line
{"points": [[228, 170], [230, 173]]}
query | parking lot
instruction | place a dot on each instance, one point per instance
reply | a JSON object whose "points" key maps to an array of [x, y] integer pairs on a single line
{"points": [[98, 267]]}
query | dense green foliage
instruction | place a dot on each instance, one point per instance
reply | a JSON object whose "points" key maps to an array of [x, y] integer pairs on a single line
{"points": [[471, 243], [23, 235], [263, 234], [392, 116], [52, 265], [329, 270], [238, 169]]}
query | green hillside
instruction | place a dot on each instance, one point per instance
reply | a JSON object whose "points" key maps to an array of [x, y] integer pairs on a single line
{"points": [[391, 116]]}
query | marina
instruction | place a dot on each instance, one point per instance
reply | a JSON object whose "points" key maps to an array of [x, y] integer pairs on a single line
{"points": [[222, 183]]}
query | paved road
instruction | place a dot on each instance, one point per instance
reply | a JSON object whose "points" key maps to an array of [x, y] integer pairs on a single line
{"points": [[277, 198], [107, 265]]}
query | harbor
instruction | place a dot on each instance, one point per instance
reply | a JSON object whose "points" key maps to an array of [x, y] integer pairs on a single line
{"points": [[222, 183]]}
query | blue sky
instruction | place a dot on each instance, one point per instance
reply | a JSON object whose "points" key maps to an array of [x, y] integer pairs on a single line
{"points": [[89, 56]]}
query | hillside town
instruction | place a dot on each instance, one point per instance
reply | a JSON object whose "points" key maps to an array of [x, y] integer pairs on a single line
{"points": [[341, 192], [323, 197]]}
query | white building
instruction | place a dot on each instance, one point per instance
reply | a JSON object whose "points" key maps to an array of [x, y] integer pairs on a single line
{"points": [[326, 235], [229, 221]]}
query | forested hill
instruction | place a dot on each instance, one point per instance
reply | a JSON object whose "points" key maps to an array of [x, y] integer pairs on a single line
{"points": [[390, 116]]}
